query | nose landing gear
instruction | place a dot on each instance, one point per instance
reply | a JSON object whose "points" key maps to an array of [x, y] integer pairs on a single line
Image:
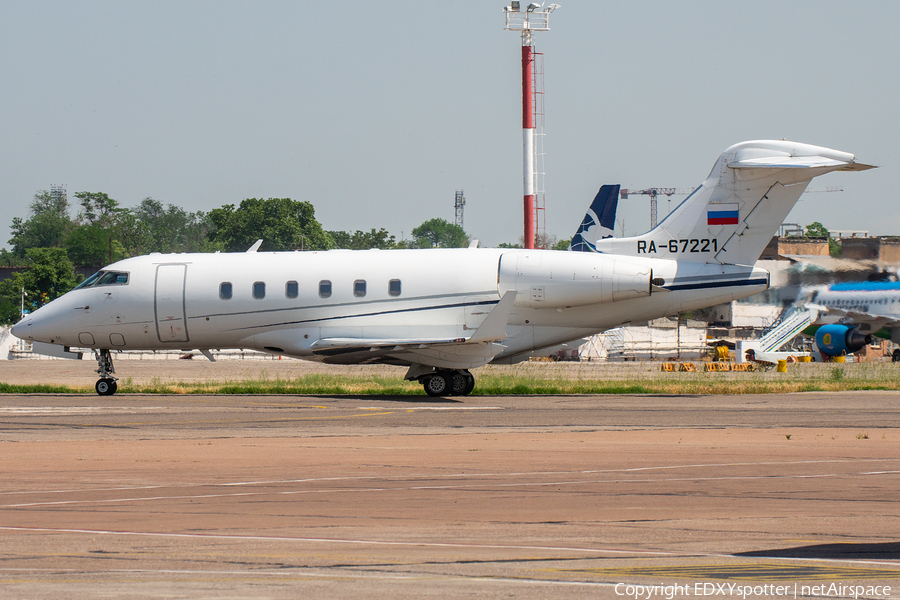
{"points": [[106, 385]]}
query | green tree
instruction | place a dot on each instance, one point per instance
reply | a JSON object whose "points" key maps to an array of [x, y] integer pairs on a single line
{"points": [[98, 238], [562, 244], [363, 240], [545, 240], [92, 245], [131, 234], [816, 230], [50, 276], [341, 239], [104, 231], [97, 207], [47, 225], [438, 233], [834, 248], [282, 224], [171, 228]]}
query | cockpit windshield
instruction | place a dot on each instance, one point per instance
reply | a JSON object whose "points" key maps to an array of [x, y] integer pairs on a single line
{"points": [[104, 278]]}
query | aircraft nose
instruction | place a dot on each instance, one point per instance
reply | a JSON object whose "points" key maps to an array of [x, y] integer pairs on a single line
{"points": [[22, 329], [40, 326]]}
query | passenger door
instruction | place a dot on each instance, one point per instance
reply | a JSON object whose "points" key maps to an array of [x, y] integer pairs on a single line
{"points": [[171, 324]]}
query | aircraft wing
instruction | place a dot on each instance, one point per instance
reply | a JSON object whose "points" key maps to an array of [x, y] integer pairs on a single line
{"points": [[325, 345], [481, 344]]}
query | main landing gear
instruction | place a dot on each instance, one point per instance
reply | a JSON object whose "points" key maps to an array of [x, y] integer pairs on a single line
{"points": [[106, 385], [453, 383]]}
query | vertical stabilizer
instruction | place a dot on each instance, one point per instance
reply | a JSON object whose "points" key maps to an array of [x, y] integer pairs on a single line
{"points": [[731, 217], [599, 221]]}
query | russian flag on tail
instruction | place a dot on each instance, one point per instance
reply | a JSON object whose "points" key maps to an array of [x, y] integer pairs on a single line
{"points": [[722, 214]]}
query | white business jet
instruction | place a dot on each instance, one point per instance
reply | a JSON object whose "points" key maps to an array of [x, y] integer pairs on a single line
{"points": [[442, 312]]}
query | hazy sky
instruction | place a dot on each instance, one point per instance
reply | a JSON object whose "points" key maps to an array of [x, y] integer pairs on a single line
{"points": [[378, 112]]}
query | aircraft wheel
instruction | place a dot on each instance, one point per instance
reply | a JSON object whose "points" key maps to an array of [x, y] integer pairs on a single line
{"points": [[470, 384], [459, 381], [106, 386], [895, 357], [437, 384]]}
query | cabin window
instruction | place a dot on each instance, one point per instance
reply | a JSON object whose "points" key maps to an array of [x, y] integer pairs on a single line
{"points": [[259, 290], [225, 291], [359, 288], [394, 287], [291, 289], [325, 288]]}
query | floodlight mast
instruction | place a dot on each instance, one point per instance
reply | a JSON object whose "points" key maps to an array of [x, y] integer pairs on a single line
{"points": [[535, 17]]}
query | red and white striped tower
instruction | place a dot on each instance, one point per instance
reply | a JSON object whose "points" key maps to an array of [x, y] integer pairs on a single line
{"points": [[528, 135], [535, 17]]}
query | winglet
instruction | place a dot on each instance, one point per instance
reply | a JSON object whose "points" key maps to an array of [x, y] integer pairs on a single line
{"points": [[493, 327], [254, 247]]}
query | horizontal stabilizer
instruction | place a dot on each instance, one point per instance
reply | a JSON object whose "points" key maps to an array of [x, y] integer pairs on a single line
{"points": [[734, 213], [789, 162]]}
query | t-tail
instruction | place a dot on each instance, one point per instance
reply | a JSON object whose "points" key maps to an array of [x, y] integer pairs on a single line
{"points": [[599, 220], [733, 215]]}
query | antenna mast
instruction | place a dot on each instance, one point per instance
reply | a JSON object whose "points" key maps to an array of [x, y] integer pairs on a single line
{"points": [[460, 205]]}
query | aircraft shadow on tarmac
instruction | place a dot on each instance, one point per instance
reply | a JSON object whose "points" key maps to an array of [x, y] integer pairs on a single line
{"points": [[408, 399], [884, 551]]}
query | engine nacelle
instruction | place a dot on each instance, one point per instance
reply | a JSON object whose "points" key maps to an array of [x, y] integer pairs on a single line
{"points": [[566, 279], [835, 340]]}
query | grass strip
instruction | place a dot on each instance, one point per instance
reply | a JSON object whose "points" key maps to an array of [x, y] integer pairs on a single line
{"points": [[528, 382]]}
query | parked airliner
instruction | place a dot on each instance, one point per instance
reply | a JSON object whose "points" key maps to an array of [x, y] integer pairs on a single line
{"points": [[442, 312], [850, 315]]}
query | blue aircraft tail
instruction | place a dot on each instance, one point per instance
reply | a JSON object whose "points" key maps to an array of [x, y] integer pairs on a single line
{"points": [[599, 221]]}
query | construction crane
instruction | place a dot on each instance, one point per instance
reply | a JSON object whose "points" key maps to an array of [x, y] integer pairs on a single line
{"points": [[653, 193]]}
